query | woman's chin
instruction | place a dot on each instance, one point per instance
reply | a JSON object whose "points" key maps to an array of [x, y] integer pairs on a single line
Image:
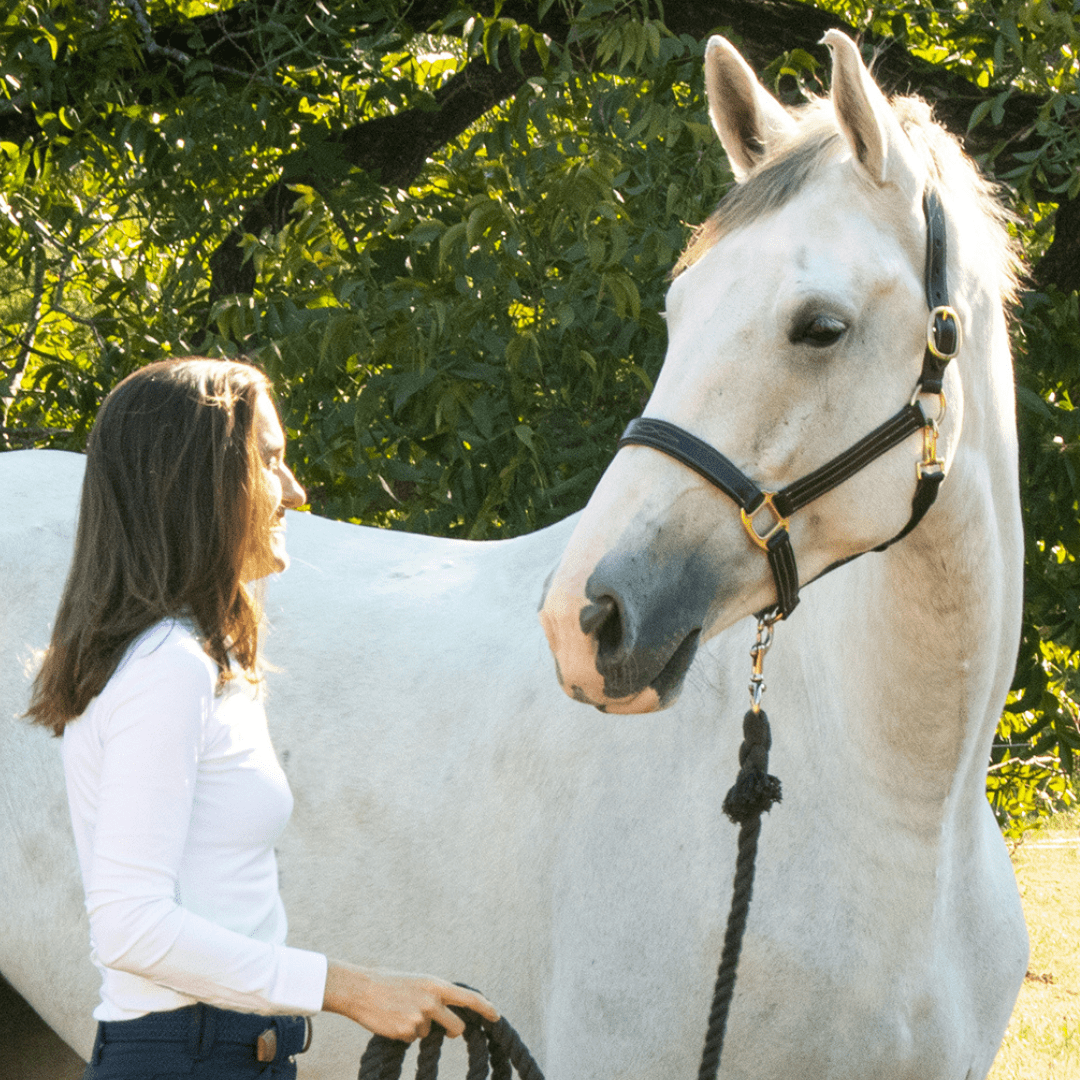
{"points": [[275, 561]]}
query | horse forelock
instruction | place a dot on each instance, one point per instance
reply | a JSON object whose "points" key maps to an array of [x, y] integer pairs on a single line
{"points": [[787, 171], [770, 186]]}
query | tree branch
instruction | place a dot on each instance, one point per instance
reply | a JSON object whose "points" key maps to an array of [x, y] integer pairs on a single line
{"points": [[394, 148], [1060, 266], [25, 435], [14, 385]]}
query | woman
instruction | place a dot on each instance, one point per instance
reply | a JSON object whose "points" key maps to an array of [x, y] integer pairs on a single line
{"points": [[175, 792]]}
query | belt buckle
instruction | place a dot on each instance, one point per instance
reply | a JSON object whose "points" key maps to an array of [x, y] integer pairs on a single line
{"points": [[266, 1046]]}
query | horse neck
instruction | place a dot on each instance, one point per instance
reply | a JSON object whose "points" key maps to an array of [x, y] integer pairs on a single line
{"points": [[923, 637]]}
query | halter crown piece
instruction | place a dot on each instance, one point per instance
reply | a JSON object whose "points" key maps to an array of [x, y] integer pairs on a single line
{"points": [[765, 514]]}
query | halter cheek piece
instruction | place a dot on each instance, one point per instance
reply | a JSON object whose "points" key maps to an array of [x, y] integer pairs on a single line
{"points": [[765, 513]]}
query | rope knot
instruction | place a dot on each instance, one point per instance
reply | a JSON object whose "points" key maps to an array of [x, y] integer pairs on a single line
{"points": [[754, 790]]}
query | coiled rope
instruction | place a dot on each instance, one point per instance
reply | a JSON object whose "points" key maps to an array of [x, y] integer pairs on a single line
{"points": [[498, 1047], [495, 1047]]}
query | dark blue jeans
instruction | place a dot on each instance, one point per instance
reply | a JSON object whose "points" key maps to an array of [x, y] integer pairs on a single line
{"points": [[199, 1042]]}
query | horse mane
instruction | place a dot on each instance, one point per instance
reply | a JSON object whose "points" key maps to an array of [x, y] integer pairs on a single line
{"points": [[792, 165]]}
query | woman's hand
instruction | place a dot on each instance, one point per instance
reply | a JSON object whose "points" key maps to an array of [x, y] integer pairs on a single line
{"points": [[397, 1005]]}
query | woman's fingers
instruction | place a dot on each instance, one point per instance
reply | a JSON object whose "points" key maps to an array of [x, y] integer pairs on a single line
{"points": [[451, 1022], [471, 999]]}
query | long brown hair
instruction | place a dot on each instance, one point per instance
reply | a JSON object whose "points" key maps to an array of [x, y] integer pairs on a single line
{"points": [[171, 501]]}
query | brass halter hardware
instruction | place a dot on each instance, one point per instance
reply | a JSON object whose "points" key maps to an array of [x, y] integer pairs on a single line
{"points": [[766, 621], [947, 313], [942, 344], [931, 464], [781, 522]]}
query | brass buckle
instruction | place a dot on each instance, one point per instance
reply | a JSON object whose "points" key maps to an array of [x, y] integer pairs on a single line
{"points": [[946, 312], [781, 523]]}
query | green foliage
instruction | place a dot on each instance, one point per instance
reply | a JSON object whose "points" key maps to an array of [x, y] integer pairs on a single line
{"points": [[463, 363], [1039, 735], [458, 356]]}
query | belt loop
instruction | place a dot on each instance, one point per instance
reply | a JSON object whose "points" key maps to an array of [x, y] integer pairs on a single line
{"points": [[195, 1030], [208, 1034], [99, 1045]]}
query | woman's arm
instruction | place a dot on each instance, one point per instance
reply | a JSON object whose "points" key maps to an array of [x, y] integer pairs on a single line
{"points": [[143, 798]]}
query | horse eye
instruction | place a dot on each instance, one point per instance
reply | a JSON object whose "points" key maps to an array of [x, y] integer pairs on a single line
{"points": [[820, 331]]}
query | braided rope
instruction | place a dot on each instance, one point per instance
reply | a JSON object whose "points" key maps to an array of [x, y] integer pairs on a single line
{"points": [[753, 793], [492, 1047]]}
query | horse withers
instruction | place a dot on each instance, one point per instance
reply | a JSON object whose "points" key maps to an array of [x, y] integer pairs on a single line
{"points": [[457, 812]]}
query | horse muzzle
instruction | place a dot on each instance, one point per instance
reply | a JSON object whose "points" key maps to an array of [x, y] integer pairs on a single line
{"points": [[624, 635]]}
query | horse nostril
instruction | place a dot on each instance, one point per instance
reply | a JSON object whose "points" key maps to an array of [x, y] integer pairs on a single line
{"points": [[603, 621], [593, 616]]}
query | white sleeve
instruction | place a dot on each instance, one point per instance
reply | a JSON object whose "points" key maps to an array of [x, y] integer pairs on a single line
{"points": [[151, 746]]}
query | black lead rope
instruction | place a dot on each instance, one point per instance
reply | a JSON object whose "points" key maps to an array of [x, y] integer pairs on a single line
{"points": [[498, 1047], [753, 793]]}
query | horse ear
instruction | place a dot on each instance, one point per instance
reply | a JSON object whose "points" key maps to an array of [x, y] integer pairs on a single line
{"points": [[866, 120], [745, 115]]}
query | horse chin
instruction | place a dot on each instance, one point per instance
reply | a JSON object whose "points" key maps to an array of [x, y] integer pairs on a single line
{"points": [[647, 701], [662, 692]]}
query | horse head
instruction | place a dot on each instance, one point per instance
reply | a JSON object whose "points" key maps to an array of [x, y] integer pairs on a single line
{"points": [[797, 323]]}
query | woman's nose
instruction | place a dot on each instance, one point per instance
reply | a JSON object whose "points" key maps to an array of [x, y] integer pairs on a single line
{"points": [[292, 494]]}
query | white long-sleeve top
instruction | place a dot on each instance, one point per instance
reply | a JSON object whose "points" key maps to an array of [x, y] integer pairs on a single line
{"points": [[177, 799]]}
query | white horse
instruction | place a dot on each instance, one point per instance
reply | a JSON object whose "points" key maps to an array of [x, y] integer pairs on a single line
{"points": [[456, 812]]}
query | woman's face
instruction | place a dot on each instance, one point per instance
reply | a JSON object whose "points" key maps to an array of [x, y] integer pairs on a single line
{"points": [[271, 556]]}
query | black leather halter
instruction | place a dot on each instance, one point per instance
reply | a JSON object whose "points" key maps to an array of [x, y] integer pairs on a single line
{"points": [[942, 344]]}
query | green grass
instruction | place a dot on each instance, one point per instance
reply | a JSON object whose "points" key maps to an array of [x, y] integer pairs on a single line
{"points": [[1043, 1039]]}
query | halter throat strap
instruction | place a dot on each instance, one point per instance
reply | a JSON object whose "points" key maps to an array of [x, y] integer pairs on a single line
{"points": [[771, 534]]}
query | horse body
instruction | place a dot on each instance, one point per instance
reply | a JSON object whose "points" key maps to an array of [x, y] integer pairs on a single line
{"points": [[456, 813]]}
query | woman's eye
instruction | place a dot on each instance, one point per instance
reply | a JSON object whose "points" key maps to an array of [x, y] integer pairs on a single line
{"points": [[820, 331]]}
